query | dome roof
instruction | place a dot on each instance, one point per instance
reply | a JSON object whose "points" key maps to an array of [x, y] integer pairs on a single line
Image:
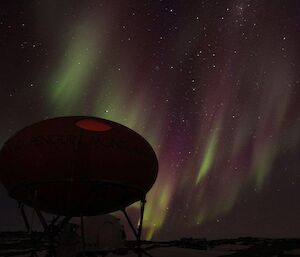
{"points": [[77, 165]]}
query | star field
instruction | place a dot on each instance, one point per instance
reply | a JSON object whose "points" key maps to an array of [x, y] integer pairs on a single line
{"points": [[212, 85]]}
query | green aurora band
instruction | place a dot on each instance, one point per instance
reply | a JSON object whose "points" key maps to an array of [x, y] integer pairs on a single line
{"points": [[116, 94]]}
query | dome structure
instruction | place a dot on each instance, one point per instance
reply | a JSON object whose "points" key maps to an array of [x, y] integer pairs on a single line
{"points": [[77, 165]]}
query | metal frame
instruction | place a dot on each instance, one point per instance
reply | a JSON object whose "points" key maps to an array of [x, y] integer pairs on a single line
{"points": [[52, 229], [138, 232]]}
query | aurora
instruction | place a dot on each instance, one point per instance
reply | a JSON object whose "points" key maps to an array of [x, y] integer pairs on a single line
{"points": [[212, 85]]}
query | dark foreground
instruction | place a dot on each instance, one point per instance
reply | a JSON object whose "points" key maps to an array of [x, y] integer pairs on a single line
{"points": [[19, 244]]}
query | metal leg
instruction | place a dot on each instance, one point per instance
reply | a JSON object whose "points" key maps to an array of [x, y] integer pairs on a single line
{"points": [[21, 206], [42, 219], [138, 232], [82, 234], [140, 228], [130, 223]]}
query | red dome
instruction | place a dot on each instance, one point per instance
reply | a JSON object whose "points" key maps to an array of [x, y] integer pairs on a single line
{"points": [[77, 165]]}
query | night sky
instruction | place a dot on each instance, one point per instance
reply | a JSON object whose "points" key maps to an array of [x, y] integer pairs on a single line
{"points": [[214, 86]]}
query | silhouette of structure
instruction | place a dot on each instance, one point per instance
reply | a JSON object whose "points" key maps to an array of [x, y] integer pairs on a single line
{"points": [[77, 166]]}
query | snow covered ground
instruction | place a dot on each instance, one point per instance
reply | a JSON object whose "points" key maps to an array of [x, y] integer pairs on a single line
{"points": [[19, 244]]}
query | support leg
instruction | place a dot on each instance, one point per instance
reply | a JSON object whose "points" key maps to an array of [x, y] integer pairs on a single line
{"points": [[138, 232], [130, 223], [82, 234], [21, 206], [42, 219], [140, 228]]}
